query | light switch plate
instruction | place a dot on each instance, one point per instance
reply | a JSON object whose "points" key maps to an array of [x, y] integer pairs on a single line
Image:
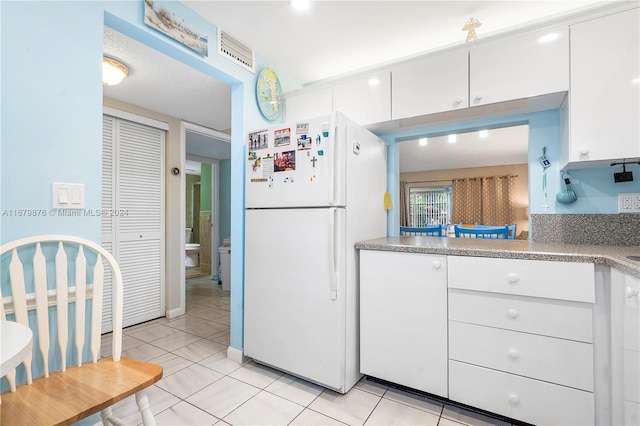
{"points": [[68, 195]]}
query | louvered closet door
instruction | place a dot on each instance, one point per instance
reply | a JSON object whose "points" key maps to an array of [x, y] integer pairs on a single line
{"points": [[108, 135], [137, 225]]}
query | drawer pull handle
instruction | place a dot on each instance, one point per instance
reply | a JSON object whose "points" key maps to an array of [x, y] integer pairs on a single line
{"points": [[513, 399], [512, 313], [436, 264], [513, 278], [513, 354], [631, 293]]}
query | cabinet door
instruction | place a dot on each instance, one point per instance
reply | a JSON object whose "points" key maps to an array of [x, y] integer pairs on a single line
{"points": [[308, 103], [605, 88], [403, 319], [365, 100], [625, 348], [530, 64], [437, 83]]}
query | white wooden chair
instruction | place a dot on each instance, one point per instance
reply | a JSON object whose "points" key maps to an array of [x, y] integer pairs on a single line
{"points": [[38, 272]]}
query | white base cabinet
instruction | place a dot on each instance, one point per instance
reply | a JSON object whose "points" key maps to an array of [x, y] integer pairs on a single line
{"points": [[625, 348], [505, 356], [403, 319]]}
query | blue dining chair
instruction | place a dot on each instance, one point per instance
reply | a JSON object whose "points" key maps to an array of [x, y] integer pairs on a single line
{"points": [[512, 229], [494, 232], [427, 230]]}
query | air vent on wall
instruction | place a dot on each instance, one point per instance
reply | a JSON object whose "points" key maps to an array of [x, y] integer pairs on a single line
{"points": [[236, 51]]}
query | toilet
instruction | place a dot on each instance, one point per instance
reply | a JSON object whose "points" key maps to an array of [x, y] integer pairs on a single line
{"points": [[192, 250]]}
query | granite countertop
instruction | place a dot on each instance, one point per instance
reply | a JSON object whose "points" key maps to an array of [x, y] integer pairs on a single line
{"points": [[614, 256]]}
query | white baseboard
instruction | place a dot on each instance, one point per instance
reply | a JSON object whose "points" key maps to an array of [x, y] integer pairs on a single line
{"points": [[173, 313], [236, 355]]}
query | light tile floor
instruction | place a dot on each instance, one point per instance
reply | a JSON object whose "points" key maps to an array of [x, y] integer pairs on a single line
{"points": [[201, 386]]}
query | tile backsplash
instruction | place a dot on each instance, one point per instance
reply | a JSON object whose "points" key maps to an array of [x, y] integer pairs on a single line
{"points": [[599, 229]]}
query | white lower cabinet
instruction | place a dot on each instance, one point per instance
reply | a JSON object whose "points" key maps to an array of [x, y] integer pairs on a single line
{"points": [[526, 349], [533, 401], [543, 342], [625, 348], [403, 319]]}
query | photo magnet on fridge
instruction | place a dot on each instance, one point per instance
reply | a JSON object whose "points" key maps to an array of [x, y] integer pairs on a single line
{"points": [[281, 137], [258, 140]]}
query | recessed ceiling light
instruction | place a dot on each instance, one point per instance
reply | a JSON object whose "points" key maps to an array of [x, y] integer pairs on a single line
{"points": [[483, 133], [300, 4], [423, 141], [548, 38], [452, 138]]}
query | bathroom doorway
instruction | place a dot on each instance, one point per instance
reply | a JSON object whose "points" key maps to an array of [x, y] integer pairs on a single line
{"points": [[208, 201]]}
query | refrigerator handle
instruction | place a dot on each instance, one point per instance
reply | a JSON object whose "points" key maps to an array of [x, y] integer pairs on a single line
{"points": [[336, 173], [333, 261]]}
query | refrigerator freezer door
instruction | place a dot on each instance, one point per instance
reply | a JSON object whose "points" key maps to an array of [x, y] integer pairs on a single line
{"points": [[292, 322], [299, 164]]}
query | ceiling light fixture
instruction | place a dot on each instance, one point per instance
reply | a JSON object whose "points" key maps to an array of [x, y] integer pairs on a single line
{"points": [[452, 138], [300, 4], [423, 141], [113, 72], [483, 133]]}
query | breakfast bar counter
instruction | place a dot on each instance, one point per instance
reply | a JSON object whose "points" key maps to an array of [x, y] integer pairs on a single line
{"points": [[613, 256]]}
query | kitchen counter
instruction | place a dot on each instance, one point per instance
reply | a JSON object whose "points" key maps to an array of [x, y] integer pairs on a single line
{"points": [[613, 256]]}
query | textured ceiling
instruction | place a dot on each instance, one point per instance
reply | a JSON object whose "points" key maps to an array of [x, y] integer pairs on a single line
{"points": [[332, 38]]}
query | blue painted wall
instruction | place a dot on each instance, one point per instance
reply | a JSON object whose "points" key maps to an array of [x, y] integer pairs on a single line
{"points": [[52, 113]]}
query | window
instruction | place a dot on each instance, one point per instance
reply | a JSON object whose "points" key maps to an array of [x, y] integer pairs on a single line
{"points": [[429, 205]]}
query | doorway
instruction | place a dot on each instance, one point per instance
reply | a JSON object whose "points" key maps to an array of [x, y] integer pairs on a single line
{"points": [[208, 153]]}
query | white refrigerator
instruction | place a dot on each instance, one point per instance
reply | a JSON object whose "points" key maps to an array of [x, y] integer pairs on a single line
{"points": [[313, 189]]}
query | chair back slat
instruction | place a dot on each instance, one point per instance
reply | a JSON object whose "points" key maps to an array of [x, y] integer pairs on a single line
{"points": [[22, 300], [42, 305], [19, 296], [427, 230], [81, 298], [96, 313], [62, 303]]}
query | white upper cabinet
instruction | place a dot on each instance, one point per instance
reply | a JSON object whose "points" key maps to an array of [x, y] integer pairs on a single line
{"points": [[436, 83], [521, 66], [365, 100], [605, 88], [308, 103]]}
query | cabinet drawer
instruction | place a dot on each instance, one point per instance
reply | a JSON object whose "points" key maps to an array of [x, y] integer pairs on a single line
{"points": [[518, 397], [538, 278], [560, 361], [555, 318]]}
